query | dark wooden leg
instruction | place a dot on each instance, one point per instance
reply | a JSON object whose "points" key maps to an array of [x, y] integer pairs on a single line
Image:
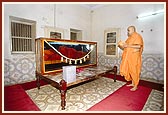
{"points": [[63, 88], [38, 80], [115, 73]]}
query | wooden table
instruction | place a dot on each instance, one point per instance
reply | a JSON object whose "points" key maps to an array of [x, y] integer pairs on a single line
{"points": [[85, 75]]}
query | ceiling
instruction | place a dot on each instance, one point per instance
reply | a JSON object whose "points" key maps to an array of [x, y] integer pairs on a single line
{"points": [[92, 6]]}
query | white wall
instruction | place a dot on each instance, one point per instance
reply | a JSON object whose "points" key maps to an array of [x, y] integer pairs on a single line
{"points": [[77, 17], [63, 16], [74, 16], [123, 15]]}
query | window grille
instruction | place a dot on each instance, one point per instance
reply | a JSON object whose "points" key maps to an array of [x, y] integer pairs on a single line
{"points": [[22, 35]]}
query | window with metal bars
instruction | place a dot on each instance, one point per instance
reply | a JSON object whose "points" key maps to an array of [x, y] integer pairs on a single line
{"points": [[22, 35]]}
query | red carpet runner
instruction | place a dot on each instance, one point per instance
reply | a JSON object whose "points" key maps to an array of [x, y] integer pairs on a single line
{"points": [[124, 100]]}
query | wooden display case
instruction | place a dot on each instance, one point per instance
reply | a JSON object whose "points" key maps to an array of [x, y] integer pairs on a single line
{"points": [[53, 54]]}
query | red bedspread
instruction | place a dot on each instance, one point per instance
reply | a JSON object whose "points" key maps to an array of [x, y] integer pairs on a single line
{"points": [[50, 54]]}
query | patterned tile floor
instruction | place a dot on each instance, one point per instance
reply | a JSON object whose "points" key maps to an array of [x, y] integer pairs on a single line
{"points": [[82, 97], [155, 101], [79, 98]]}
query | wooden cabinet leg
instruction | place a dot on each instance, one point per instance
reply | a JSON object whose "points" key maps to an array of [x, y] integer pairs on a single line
{"points": [[115, 73], [38, 80], [63, 88]]}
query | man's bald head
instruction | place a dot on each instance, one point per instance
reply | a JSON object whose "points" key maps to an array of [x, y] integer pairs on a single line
{"points": [[130, 30]]}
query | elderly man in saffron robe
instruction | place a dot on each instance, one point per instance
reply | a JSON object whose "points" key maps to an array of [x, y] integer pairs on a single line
{"points": [[131, 63]]}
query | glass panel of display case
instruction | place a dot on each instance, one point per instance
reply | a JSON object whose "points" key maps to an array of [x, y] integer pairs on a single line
{"points": [[58, 53]]}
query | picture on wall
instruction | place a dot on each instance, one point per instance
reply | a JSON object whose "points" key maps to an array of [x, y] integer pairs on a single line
{"points": [[55, 35], [111, 49], [112, 36], [53, 32]]}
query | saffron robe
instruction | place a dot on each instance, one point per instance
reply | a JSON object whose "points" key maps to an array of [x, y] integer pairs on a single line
{"points": [[131, 63]]}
